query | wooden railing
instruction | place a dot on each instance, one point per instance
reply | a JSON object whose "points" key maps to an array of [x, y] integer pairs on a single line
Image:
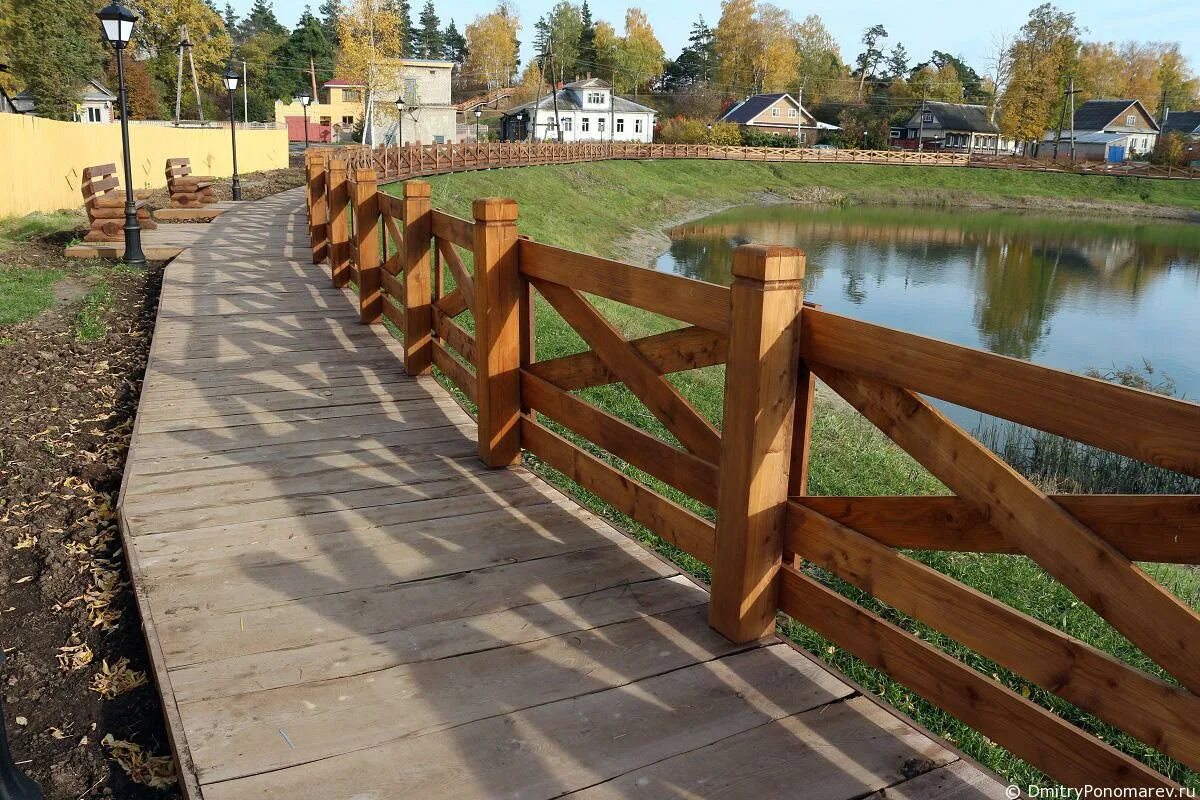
{"points": [[397, 163], [770, 533]]}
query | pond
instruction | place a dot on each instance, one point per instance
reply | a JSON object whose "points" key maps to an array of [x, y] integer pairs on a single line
{"points": [[1063, 291]]}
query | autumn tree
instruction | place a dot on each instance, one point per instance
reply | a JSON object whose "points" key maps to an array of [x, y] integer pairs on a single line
{"points": [[776, 59], [1043, 55], [492, 46], [559, 32], [372, 36], [607, 43], [640, 56], [53, 49], [1136, 70], [734, 41], [142, 97], [157, 35], [822, 72], [868, 60]]}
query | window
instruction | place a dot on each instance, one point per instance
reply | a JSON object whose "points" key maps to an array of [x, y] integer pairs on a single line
{"points": [[439, 139], [351, 95], [585, 124], [567, 123], [347, 120], [637, 126], [595, 98], [792, 112], [326, 121], [894, 133], [775, 112], [803, 137], [927, 117], [600, 124], [95, 114], [1131, 120], [620, 124]]}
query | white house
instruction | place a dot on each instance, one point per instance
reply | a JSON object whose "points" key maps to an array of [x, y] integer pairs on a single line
{"points": [[583, 111], [96, 103]]}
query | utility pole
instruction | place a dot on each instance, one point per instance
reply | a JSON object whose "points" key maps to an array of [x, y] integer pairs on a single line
{"points": [[1068, 97], [1072, 96], [921, 122], [554, 94], [195, 81], [183, 42], [312, 75], [799, 112], [245, 96]]}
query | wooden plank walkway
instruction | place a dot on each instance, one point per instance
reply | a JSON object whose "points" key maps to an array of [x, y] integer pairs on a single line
{"points": [[342, 603]]}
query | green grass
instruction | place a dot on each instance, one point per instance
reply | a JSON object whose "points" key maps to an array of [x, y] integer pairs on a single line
{"points": [[595, 207], [25, 292], [89, 319], [39, 225]]}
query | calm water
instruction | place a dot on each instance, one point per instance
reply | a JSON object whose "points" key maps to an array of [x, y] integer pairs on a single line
{"points": [[1065, 292]]}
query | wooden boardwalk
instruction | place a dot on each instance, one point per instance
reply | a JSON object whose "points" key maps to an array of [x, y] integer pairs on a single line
{"points": [[342, 603]]}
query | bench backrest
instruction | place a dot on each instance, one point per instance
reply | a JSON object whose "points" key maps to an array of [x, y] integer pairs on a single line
{"points": [[100, 186], [178, 168]]}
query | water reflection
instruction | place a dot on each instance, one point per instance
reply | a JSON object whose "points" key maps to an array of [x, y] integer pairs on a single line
{"points": [[1069, 292]]}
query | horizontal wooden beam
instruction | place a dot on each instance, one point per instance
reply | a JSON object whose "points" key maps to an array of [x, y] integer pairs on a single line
{"points": [[455, 335], [1160, 528], [668, 352], [1162, 715], [454, 229], [391, 206], [1142, 425], [452, 304], [393, 312], [453, 369], [682, 470], [684, 299], [670, 521], [1029, 731]]}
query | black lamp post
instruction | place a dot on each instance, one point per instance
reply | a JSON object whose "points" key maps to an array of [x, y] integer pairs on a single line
{"points": [[117, 23], [478, 114], [305, 97], [230, 78], [14, 784], [400, 106], [521, 126]]}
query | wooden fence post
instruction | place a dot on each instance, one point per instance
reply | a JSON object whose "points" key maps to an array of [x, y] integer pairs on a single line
{"points": [[497, 331], [756, 443], [318, 210], [339, 223], [418, 312], [366, 241]]}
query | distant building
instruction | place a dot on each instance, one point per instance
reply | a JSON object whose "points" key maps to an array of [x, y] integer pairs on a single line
{"points": [[777, 113], [1185, 123], [340, 105], [95, 105], [583, 111], [6, 104], [956, 127], [1108, 130]]}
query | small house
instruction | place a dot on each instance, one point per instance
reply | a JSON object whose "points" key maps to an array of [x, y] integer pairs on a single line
{"points": [[1185, 123], [779, 114], [1111, 130], [583, 111], [96, 103], [956, 127]]}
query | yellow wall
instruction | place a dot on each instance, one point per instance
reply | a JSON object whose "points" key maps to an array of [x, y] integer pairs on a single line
{"points": [[41, 160]]}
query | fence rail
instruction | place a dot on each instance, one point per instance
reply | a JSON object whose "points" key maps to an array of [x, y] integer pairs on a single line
{"points": [[770, 534], [397, 163]]}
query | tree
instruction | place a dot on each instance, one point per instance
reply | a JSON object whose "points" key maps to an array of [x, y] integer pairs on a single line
{"points": [[492, 46], [54, 49], [373, 41], [559, 32], [871, 55], [999, 61], [308, 46], [692, 68], [141, 95], [1138, 70], [261, 20], [897, 62], [428, 39], [157, 35], [735, 39], [455, 45], [1044, 53], [587, 39], [607, 44], [230, 16], [640, 55], [776, 58], [821, 69], [330, 10]]}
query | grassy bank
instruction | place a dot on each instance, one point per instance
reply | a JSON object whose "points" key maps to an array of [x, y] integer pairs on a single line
{"points": [[601, 208]]}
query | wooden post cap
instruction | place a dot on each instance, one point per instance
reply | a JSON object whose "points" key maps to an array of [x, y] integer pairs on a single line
{"points": [[495, 209], [364, 174], [416, 189], [768, 262]]}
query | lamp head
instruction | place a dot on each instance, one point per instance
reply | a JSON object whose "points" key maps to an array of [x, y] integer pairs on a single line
{"points": [[230, 76], [304, 97], [117, 21]]}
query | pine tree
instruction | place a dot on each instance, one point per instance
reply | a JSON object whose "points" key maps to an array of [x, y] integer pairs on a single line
{"points": [[330, 11], [897, 62], [307, 45], [455, 44], [429, 40], [261, 19], [231, 18], [587, 40]]}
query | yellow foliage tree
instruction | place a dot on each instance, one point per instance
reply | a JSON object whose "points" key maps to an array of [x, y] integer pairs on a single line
{"points": [[492, 46], [371, 34], [776, 57], [640, 56], [157, 37], [734, 40]]}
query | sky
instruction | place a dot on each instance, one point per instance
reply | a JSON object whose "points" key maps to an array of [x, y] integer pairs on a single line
{"points": [[962, 29]]}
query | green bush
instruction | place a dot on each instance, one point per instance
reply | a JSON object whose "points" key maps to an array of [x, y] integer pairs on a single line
{"points": [[753, 138], [725, 134]]}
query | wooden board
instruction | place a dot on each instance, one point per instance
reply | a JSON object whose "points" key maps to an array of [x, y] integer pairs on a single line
{"points": [[340, 601]]}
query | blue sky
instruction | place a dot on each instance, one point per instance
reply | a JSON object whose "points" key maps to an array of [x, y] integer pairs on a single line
{"points": [[963, 29]]}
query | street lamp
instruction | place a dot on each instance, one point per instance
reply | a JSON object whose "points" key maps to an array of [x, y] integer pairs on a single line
{"points": [[478, 114], [520, 126], [117, 23], [304, 98], [230, 78], [400, 106]]}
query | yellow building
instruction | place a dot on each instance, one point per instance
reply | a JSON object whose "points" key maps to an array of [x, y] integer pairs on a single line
{"points": [[339, 107]]}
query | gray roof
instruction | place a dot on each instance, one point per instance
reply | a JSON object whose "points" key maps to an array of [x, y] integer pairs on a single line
{"points": [[566, 102], [751, 107], [589, 83], [961, 117], [1182, 122], [1095, 115], [93, 91]]}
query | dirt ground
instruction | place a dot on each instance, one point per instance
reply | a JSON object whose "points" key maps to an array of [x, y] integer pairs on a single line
{"points": [[68, 622]]}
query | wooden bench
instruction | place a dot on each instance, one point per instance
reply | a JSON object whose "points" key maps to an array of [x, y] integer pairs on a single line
{"points": [[188, 190], [105, 203]]}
